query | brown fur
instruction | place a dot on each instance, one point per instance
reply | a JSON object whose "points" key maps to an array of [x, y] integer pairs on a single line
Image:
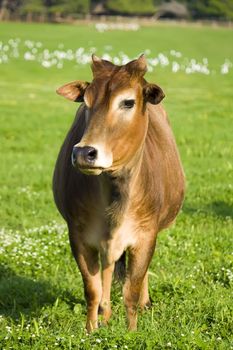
{"points": [[124, 207]]}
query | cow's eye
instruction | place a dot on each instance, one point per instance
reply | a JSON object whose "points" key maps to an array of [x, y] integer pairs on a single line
{"points": [[127, 104]]}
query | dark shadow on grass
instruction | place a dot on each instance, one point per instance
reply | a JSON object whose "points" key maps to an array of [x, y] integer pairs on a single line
{"points": [[22, 295], [220, 209]]}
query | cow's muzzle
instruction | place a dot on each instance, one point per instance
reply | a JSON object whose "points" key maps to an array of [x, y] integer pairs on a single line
{"points": [[83, 157]]}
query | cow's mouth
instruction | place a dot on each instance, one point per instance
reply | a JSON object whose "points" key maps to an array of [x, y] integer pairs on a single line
{"points": [[91, 170]]}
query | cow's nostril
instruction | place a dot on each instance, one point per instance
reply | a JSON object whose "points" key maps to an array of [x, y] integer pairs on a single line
{"points": [[74, 155], [91, 154]]}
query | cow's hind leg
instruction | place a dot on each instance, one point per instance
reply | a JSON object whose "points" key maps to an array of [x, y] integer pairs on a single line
{"points": [[139, 260], [88, 262]]}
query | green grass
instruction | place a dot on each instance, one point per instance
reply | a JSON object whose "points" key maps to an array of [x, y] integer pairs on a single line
{"points": [[191, 275]]}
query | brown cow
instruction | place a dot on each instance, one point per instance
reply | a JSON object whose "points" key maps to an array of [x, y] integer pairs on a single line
{"points": [[123, 185]]}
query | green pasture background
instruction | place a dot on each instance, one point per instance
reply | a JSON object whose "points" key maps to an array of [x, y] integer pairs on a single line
{"points": [[191, 274]]}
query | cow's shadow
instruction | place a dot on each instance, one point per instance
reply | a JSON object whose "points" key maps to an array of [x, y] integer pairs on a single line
{"points": [[220, 209], [20, 295]]}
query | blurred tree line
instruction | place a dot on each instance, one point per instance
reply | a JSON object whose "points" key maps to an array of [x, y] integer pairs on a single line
{"points": [[53, 10]]}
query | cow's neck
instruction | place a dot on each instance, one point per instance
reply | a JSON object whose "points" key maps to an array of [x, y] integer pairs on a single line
{"points": [[121, 184]]}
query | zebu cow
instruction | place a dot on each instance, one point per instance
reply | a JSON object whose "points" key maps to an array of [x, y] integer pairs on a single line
{"points": [[123, 185]]}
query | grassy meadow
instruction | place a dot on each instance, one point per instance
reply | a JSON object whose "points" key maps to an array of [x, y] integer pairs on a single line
{"points": [[191, 276]]}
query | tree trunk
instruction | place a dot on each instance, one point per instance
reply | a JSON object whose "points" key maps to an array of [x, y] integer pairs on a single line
{"points": [[29, 17], [4, 12]]}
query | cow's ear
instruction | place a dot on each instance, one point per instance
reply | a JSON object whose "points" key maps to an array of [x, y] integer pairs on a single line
{"points": [[73, 91], [153, 93]]}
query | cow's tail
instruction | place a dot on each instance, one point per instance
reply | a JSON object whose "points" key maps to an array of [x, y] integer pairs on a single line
{"points": [[120, 268]]}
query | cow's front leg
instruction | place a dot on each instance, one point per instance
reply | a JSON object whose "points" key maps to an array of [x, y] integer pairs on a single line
{"points": [[89, 267], [105, 304], [88, 262], [144, 301], [136, 280]]}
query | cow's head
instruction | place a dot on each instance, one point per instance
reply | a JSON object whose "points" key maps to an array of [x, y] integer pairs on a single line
{"points": [[115, 115]]}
